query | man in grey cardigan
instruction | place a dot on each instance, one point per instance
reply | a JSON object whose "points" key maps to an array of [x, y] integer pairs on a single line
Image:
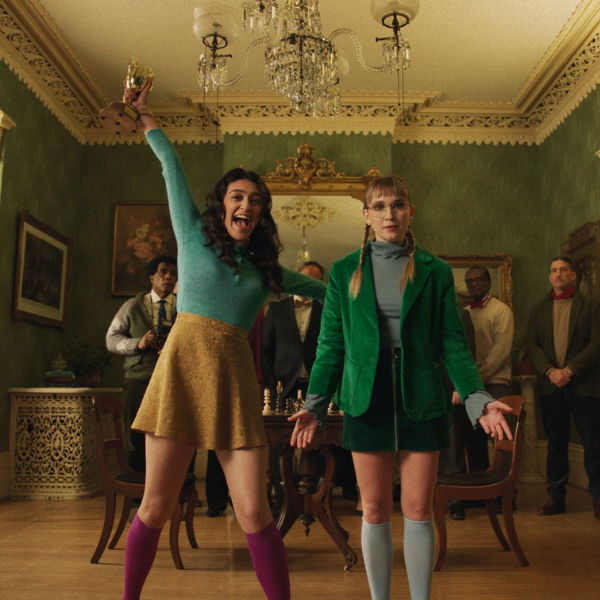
{"points": [[137, 332]]}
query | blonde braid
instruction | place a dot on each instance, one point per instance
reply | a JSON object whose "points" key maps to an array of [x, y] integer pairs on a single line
{"points": [[409, 271], [357, 276]]}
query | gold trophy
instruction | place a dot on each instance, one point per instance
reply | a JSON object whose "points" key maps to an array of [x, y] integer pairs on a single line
{"points": [[120, 117]]}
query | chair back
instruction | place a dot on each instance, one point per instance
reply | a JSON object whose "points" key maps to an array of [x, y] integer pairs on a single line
{"points": [[506, 460], [110, 408]]}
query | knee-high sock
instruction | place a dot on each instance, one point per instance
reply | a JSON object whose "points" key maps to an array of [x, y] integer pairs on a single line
{"points": [[419, 554], [378, 554], [140, 550], [270, 562]]}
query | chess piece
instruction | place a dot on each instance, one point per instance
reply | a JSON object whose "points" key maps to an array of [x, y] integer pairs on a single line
{"points": [[279, 404], [289, 406], [267, 406], [332, 409], [299, 401], [121, 117]]}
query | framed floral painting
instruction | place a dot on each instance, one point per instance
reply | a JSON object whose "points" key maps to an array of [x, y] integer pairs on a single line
{"points": [[143, 231]]}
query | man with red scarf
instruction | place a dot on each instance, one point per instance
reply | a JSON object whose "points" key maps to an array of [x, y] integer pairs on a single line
{"points": [[563, 342]]}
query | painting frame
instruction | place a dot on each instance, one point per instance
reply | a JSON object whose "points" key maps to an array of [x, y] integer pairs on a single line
{"points": [[142, 231], [43, 273], [499, 266], [583, 248]]}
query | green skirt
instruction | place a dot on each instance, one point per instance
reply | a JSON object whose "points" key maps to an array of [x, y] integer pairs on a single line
{"points": [[385, 426]]}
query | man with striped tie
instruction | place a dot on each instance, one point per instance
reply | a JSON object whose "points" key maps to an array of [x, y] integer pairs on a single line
{"points": [[138, 332]]}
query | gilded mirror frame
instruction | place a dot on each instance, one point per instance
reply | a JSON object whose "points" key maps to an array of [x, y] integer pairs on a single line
{"points": [[305, 174]]}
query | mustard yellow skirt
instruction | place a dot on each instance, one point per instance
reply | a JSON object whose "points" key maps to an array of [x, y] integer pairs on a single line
{"points": [[204, 391]]}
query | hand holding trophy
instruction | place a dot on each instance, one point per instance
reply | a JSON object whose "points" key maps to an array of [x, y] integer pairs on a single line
{"points": [[121, 117]]}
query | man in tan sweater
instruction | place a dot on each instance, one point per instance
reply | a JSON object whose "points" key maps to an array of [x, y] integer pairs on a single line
{"points": [[563, 341]]}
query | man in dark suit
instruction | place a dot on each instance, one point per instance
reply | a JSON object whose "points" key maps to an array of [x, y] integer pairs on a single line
{"points": [[563, 342], [290, 333]]}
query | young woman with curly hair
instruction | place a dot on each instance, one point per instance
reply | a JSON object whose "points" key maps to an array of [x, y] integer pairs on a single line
{"points": [[204, 392]]}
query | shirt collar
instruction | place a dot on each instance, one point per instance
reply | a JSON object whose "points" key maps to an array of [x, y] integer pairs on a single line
{"points": [[156, 298]]}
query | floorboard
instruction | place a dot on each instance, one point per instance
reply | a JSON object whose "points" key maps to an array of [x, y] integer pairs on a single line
{"points": [[45, 549]]}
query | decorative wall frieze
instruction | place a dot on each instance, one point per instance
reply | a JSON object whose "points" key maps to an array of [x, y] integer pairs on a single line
{"points": [[35, 50]]}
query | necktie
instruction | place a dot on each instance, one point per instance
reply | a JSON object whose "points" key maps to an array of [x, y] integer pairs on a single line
{"points": [[162, 316], [476, 304]]}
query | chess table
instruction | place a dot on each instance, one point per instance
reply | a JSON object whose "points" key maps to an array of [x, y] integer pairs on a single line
{"points": [[309, 498]]}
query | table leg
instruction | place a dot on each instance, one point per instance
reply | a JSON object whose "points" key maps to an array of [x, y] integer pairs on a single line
{"points": [[310, 500]]}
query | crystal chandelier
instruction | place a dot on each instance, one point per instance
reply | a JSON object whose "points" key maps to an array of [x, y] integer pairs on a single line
{"points": [[300, 63]]}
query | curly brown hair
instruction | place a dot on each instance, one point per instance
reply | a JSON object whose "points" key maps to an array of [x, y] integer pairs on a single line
{"points": [[263, 243]]}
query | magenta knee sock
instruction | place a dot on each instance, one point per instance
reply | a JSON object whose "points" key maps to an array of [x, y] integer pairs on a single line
{"points": [[142, 542], [270, 562]]}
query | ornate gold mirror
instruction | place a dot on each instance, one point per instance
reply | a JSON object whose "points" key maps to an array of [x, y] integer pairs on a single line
{"points": [[318, 210]]}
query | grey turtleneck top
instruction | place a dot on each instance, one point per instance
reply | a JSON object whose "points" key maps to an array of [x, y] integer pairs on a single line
{"points": [[388, 262]]}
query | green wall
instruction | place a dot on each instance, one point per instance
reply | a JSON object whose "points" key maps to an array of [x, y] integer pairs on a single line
{"points": [[470, 199], [41, 173], [570, 182]]}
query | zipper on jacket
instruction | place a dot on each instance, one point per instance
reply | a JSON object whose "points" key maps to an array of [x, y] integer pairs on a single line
{"points": [[393, 357]]}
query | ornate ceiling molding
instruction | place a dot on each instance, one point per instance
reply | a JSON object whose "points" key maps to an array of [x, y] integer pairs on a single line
{"points": [[35, 50]]}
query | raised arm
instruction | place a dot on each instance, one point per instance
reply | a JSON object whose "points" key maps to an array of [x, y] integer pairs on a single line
{"points": [[185, 215]]}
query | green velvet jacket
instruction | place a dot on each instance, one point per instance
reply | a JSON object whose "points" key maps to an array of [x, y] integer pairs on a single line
{"points": [[430, 330], [583, 350]]}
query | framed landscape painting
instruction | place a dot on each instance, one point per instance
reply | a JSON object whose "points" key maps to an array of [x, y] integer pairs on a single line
{"points": [[143, 231], [43, 273]]}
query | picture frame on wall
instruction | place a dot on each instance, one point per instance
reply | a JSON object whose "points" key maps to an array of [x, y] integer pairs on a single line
{"points": [[43, 273], [143, 230], [499, 266], [583, 248]]}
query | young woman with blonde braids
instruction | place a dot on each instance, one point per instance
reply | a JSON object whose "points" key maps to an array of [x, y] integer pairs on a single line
{"points": [[390, 318]]}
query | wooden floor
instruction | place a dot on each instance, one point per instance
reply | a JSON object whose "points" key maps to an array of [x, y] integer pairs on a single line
{"points": [[45, 551]]}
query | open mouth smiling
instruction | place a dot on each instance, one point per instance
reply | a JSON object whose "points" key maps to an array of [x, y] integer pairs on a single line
{"points": [[242, 221]]}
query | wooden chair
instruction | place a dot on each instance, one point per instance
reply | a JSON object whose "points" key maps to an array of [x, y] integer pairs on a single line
{"points": [[499, 480], [130, 484]]}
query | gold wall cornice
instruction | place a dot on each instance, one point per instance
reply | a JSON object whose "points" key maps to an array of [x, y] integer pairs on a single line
{"points": [[33, 48]]}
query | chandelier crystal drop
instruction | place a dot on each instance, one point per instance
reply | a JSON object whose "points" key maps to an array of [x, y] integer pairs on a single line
{"points": [[260, 15]]}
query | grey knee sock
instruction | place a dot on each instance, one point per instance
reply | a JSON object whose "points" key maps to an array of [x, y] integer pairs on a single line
{"points": [[419, 554], [378, 554]]}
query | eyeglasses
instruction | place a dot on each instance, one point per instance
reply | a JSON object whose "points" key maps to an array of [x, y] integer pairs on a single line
{"points": [[379, 209], [475, 280]]}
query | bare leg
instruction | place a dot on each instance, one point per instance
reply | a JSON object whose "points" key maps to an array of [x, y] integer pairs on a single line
{"points": [[374, 472], [166, 464], [246, 470], [246, 473], [418, 471]]}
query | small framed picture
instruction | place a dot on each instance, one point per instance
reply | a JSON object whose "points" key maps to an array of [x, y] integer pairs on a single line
{"points": [[143, 231], [43, 273]]}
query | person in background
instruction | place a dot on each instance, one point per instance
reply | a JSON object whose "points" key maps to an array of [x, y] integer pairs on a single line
{"points": [[563, 342], [138, 332]]}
